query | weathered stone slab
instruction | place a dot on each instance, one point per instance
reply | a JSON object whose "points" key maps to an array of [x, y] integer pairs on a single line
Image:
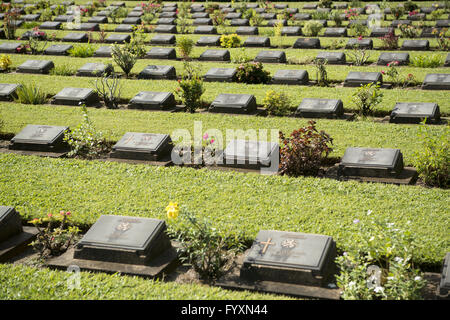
{"points": [[118, 38], [387, 57], [9, 47], [75, 97], [271, 57], [142, 146], [361, 44], [290, 257], [257, 42], [163, 39], [220, 74], [320, 108], [58, 49], [75, 37], [239, 22], [94, 69], [335, 32], [247, 31], [161, 53], [332, 57], [233, 103], [151, 100], [291, 31], [158, 72], [444, 285], [371, 162], [307, 43], [39, 138], [415, 112], [205, 30], [356, 79], [215, 55], [105, 51], [10, 223], [36, 66], [212, 41], [165, 29], [297, 77], [415, 45], [250, 154], [51, 25], [436, 81], [7, 91]]}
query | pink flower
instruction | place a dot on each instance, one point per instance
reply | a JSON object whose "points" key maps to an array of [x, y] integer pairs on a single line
{"points": [[360, 38], [68, 213], [212, 140], [383, 72], [205, 136], [49, 215]]}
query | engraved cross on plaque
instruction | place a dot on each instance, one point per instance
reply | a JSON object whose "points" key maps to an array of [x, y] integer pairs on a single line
{"points": [[266, 245]]}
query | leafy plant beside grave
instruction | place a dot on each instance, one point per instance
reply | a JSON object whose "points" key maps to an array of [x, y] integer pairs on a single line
{"points": [[442, 40], [85, 141], [185, 46], [433, 158], [426, 61], [30, 94], [108, 88], [390, 41], [396, 78], [378, 263], [124, 58], [359, 30], [9, 24], [5, 62], [202, 246], [82, 51], [409, 31], [252, 73], [55, 234], [277, 103], [366, 98], [230, 41], [303, 152], [312, 28], [190, 88], [358, 56], [321, 72]]}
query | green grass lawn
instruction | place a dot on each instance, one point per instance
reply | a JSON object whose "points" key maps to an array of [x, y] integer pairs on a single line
{"points": [[236, 203], [114, 123], [28, 283]]}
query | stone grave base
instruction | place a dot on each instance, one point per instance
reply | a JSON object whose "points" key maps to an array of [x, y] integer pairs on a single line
{"points": [[165, 262], [4, 149], [162, 162], [17, 243], [233, 281], [408, 176], [258, 112]]}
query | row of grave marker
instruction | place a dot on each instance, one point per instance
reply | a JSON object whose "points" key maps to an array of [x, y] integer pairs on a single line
{"points": [[278, 261], [245, 154], [403, 112]]}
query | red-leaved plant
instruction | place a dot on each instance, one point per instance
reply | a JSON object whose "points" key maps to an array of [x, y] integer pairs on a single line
{"points": [[304, 150]]}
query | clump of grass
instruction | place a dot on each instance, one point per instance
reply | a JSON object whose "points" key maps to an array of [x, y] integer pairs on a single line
{"points": [[82, 51], [30, 94], [62, 70]]}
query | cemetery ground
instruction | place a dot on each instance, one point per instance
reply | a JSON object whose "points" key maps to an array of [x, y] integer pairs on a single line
{"points": [[238, 204]]}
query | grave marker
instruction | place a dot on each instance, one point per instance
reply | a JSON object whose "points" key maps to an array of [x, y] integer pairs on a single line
{"points": [[436, 81], [36, 66], [39, 138], [215, 55], [233, 103], [158, 72], [415, 112], [150, 100], [320, 108], [220, 74], [250, 154], [142, 146], [356, 79], [75, 96], [296, 77]]}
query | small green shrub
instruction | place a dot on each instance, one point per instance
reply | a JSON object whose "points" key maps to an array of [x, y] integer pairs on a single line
{"points": [[320, 15], [202, 245], [277, 103], [321, 72], [325, 3], [378, 265], [185, 46], [82, 51], [433, 159], [124, 58], [63, 70], [426, 61], [30, 94], [85, 141], [230, 41], [241, 56], [303, 152], [359, 29], [358, 56], [108, 88], [409, 31], [117, 14], [252, 73], [367, 97], [190, 88], [410, 6], [336, 17], [397, 11], [312, 28], [56, 237]]}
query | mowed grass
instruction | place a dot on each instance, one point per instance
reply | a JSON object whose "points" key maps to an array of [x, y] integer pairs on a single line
{"points": [[130, 87], [28, 283], [235, 203], [114, 123]]}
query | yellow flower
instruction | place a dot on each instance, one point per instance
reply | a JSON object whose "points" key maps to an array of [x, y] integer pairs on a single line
{"points": [[172, 210]]}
